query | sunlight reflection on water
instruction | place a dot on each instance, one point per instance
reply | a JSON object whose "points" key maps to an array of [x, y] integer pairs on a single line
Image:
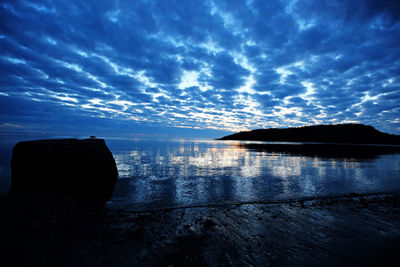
{"points": [[171, 173]]}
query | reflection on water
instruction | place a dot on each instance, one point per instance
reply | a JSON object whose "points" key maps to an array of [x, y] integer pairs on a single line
{"points": [[168, 173], [171, 173]]}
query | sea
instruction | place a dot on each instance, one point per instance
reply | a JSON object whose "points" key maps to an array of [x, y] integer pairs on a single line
{"points": [[161, 173]]}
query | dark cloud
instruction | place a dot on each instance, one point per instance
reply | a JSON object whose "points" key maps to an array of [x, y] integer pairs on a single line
{"points": [[226, 74], [329, 61]]}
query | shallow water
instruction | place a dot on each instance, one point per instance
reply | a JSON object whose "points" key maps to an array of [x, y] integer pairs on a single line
{"points": [[190, 172], [168, 173]]}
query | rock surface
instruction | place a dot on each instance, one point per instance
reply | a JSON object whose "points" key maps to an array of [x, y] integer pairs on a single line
{"points": [[83, 169], [351, 230]]}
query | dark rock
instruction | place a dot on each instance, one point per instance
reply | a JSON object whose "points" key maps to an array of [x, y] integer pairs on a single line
{"points": [[83, 169]]}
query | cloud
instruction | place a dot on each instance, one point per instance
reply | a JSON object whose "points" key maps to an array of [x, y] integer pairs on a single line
{"points": [[254, 63]]}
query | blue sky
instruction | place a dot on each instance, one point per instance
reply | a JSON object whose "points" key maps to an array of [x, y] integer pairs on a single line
{"points": [[197, 68]]}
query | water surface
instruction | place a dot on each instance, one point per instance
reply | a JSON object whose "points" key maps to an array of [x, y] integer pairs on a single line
{"points": [[190, 172], [165, 173]]}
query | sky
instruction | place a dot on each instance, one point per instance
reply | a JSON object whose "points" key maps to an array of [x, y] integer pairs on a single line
{"points": [[197, 68]]}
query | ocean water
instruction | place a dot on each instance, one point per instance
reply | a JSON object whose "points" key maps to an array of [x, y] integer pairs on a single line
{"points": [[167, 173]]}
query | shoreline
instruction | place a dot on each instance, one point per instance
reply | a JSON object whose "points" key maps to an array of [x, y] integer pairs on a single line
{"points": [[137, 207], [347, 230]]}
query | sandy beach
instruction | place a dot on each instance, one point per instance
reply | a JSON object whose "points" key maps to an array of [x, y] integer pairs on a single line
{"points": [[342, 230]]}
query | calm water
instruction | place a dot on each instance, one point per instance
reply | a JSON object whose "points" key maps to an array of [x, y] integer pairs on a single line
{"points": [[186, 172], [168, 173]]}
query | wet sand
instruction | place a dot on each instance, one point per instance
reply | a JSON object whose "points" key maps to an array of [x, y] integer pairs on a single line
{"points": [[347, 230]]}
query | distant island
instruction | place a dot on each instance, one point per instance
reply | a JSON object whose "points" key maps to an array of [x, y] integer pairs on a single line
{"points": [[333, 133]]}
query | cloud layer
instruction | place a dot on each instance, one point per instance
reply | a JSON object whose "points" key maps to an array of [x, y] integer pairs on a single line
{"points": [[225, 65]]}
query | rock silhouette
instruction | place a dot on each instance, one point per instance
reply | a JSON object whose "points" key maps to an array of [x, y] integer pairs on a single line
{"points": [[82, 169]]}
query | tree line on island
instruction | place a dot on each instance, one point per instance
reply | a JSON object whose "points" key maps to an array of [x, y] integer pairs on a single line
{"points": [[332, 133]]}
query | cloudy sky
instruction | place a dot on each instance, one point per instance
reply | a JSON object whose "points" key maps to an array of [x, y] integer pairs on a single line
{"points": [[197, 67]]}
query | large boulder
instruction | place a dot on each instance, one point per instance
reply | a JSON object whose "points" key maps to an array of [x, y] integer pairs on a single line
{"points": [[83, 169]]}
